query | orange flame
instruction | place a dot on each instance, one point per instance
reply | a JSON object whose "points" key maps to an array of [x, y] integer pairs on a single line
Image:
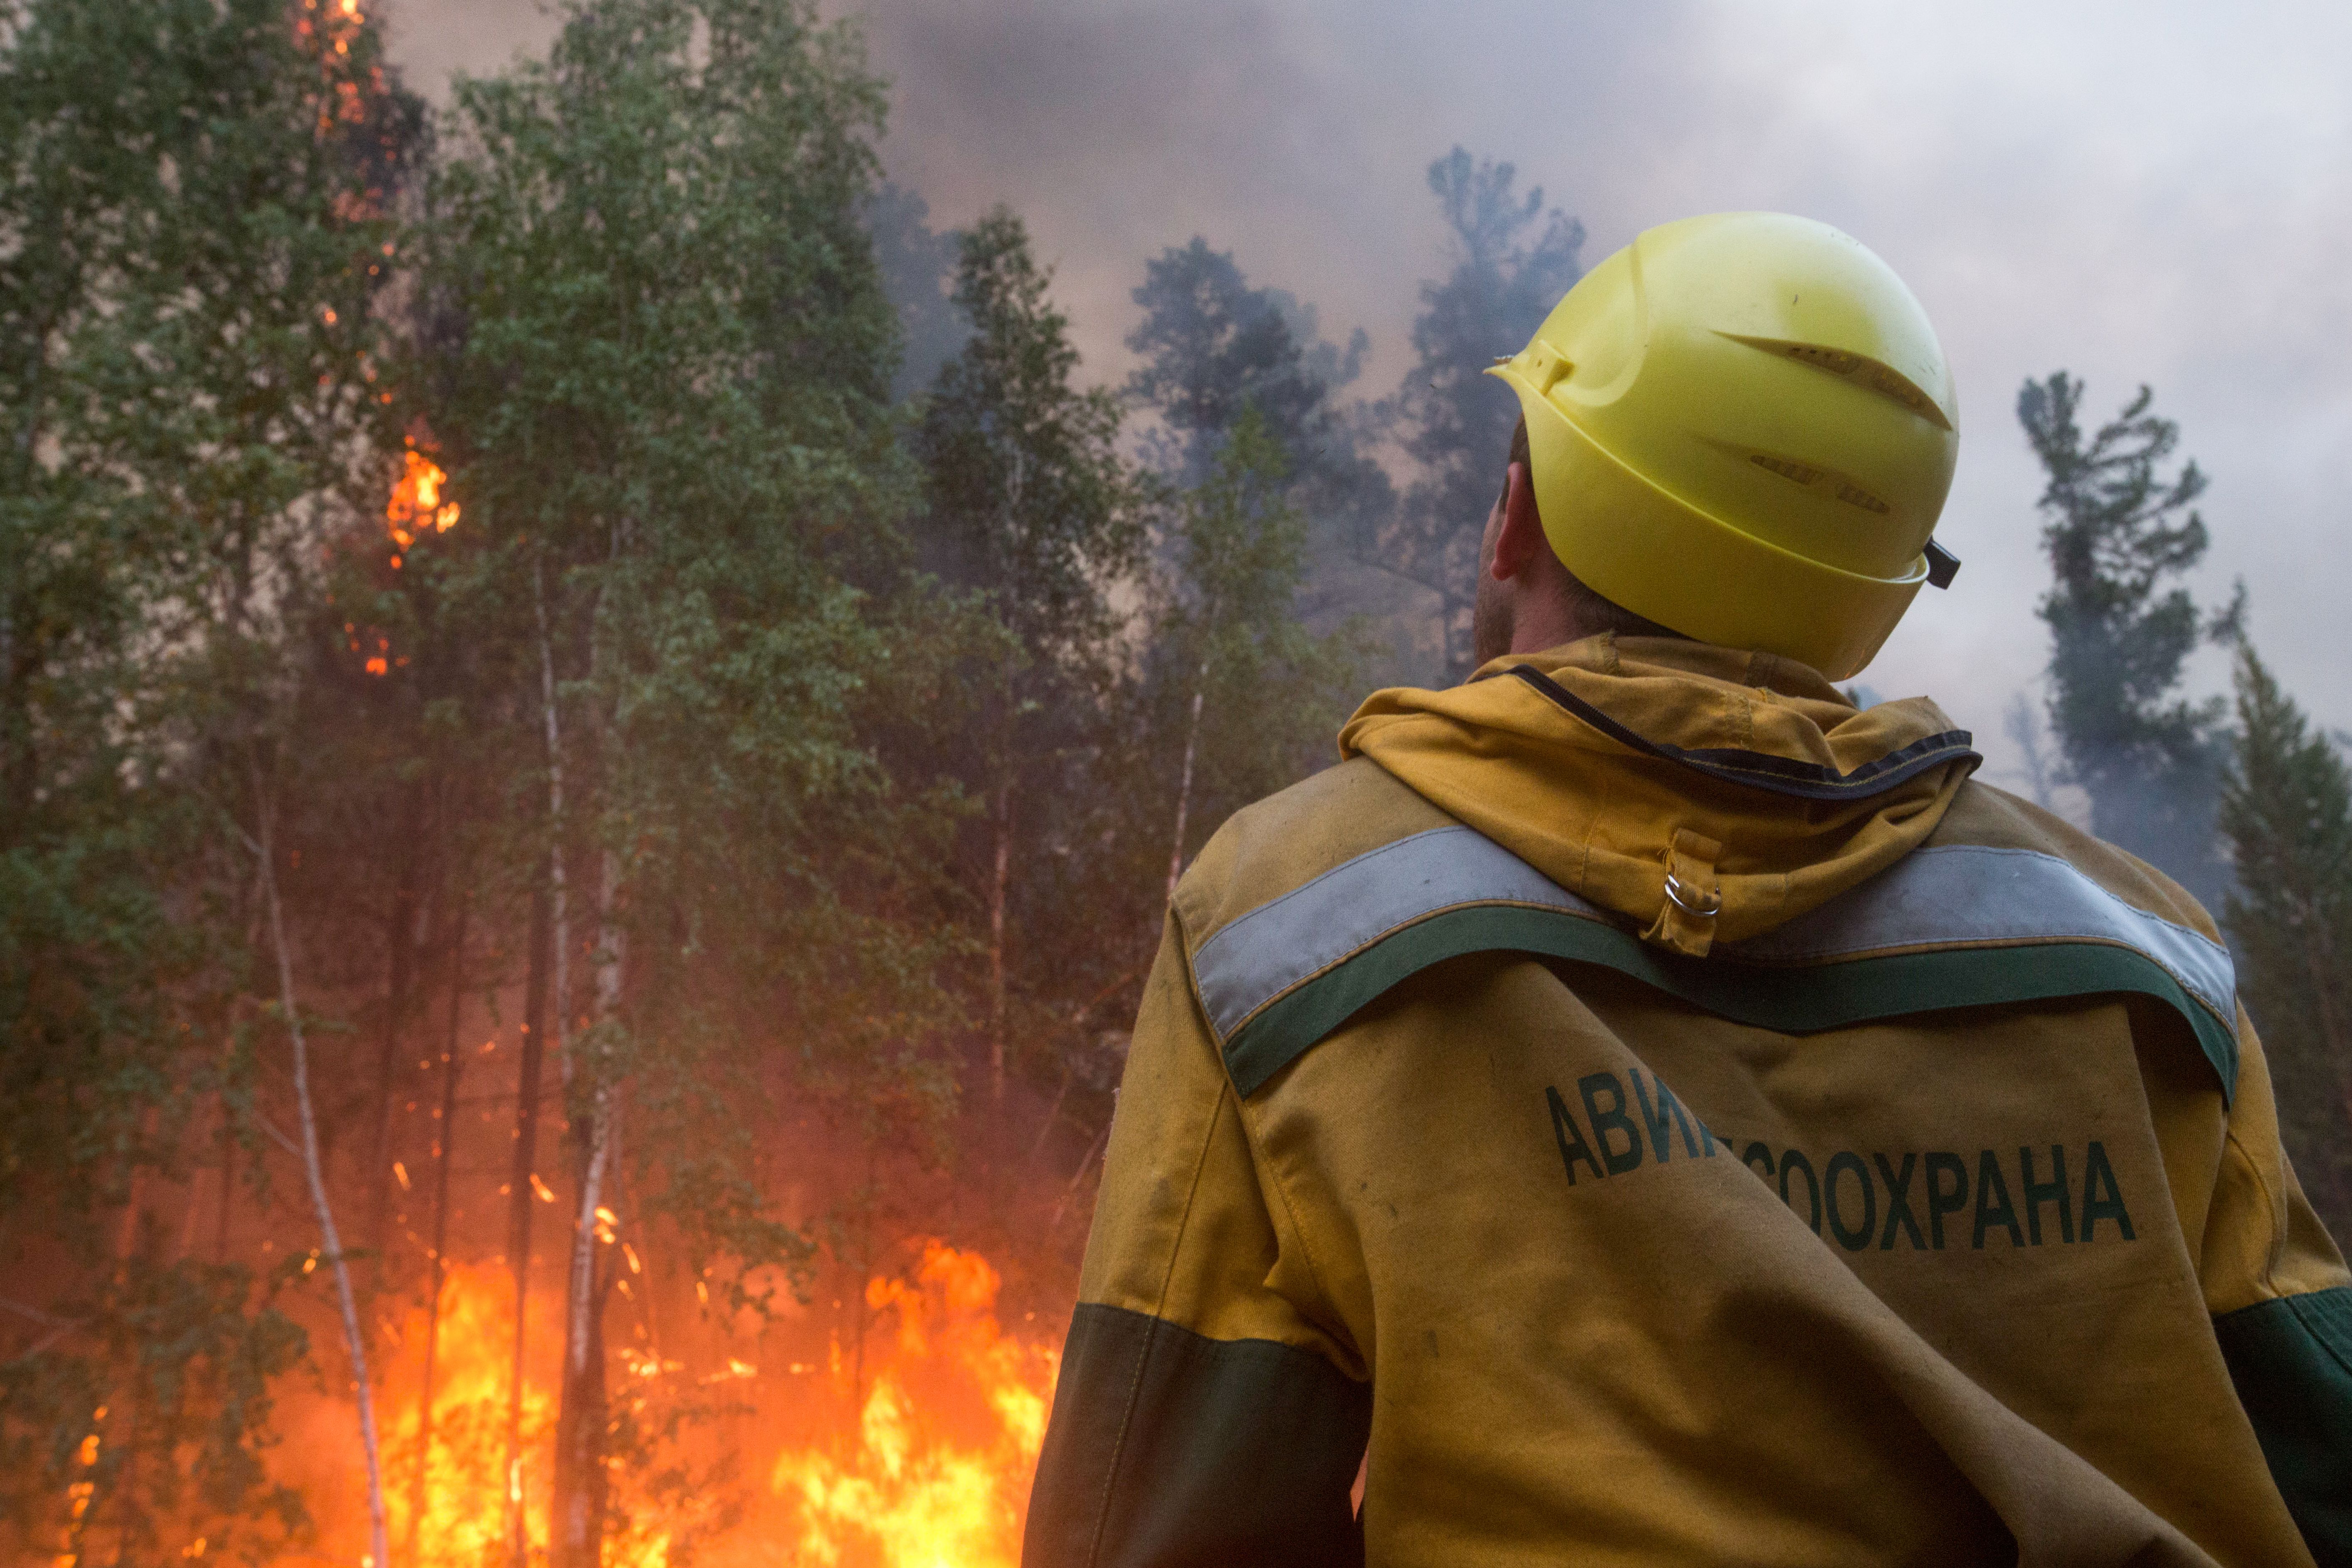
{"points": [[465, 1517], [923, 1461], [415, 504], [938, 1476], [469, 1486]]}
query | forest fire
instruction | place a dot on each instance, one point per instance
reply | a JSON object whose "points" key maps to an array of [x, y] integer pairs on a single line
{"points": [[416, 505], [938, 1474], [916, 1453], [464, 1477], [632, 922]]}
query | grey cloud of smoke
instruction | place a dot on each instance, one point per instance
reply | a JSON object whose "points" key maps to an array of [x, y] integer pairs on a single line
{"points": [[2152, 191]]}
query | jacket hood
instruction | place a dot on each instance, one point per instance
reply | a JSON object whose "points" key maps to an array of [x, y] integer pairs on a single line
{"points": [[1707, 794]]}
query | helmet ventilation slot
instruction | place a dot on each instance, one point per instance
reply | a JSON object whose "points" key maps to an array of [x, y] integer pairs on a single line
{"points": [[1860, 368], [1825, 480]]}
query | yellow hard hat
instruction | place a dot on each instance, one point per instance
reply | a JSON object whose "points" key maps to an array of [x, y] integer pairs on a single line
{"points": [[1742, 428]]}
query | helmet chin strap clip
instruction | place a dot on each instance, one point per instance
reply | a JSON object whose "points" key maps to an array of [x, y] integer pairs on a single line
{"points": [[1942, 565]]}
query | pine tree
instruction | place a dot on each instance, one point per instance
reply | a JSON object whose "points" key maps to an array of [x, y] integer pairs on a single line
{"points": [[2117, 530], [1514, 258], [1215, 348], [2286, 808]]}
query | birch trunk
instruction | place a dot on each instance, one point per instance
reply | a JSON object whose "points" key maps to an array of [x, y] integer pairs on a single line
{"points": [[580, 1424], [570, 1475], [559, 917], [1185, 785], [580, 1469], [331, 1241]]}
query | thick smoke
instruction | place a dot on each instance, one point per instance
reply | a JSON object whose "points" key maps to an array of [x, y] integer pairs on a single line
{"points": [[2174, 222]]}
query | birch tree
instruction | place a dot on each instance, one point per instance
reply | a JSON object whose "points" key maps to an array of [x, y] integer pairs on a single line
{"points": [[1031, 504], [1246, 698], [669, 403], [193, 205]]}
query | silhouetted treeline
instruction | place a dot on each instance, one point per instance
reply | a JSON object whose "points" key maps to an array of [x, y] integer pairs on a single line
{"points": [[2251, 817]]}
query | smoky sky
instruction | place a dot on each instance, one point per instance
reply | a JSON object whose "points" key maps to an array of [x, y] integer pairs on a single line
{"points": [[2156, 193]]}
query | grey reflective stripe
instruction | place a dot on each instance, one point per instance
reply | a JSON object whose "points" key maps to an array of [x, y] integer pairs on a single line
{"points": [[1954, 894], [1352, 906], [1968, 905]]}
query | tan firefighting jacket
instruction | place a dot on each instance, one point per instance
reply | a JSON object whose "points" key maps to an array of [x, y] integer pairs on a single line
{"points": [[1646, 1111]]}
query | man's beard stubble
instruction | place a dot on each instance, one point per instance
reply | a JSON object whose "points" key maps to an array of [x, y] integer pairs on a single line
{"points": [[1490, 614]]}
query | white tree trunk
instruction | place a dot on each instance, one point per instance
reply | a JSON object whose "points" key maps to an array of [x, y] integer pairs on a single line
{"points": [[559, 917], [1185, 787], [331, 1242], [612, 950], [577, 1532]]}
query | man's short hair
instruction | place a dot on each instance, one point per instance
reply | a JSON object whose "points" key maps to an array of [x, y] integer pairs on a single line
{"points": [[1590, 608]]}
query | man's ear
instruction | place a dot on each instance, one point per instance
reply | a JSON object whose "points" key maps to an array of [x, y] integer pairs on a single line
{"points": [[1520, 542]]}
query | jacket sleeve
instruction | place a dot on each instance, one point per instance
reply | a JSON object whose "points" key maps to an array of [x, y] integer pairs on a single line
{"points": [[1200, 1418], [2282, 1306]]}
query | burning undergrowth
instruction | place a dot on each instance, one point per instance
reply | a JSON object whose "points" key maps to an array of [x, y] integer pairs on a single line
{"points": [[909, 1446], [936, 1469]]}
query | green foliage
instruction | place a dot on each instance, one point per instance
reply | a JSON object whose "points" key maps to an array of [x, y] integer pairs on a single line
{"points": [[834, 784], [192, 243], [2286, 808], [1033, 512], [1513, 260], [658, 355], [667, 385], [1030, 501], [1231, 696], [148, 1434], [184, 305], [2118, 528], [1215, 347], [1270, 693]]}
